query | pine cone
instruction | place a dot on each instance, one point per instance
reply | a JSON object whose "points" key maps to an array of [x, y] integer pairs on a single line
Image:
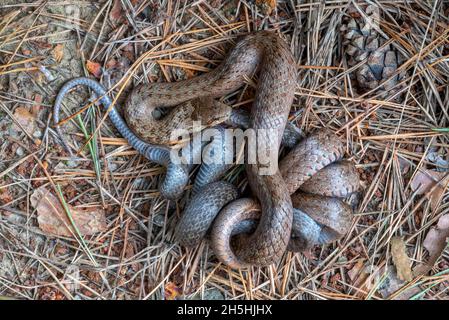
{"points": [[362, 42]]}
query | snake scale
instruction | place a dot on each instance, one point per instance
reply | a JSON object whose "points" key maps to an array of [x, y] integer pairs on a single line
{"points": [[293, 208]]}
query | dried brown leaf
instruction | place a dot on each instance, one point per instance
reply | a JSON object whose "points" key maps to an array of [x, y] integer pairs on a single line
{"points": [[437, 194], [359, 275], [425, 180], [172, 292], [400, 259], [111, 63], [267, 6], [94, 68], [36, 108], [58, 52], [25, 118], [404, 165], [393, 285], [116, 14], [5, 196], [53, 219], [356, 270], [435, 242]]}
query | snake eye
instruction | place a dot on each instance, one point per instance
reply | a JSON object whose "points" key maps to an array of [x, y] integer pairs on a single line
{"points": [[157, 114]]}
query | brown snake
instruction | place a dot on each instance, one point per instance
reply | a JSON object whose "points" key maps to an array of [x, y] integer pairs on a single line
{"points": [[269, 55], [310, 167], [277, 81]]}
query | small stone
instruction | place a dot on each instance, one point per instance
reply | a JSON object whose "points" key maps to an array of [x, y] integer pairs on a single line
{"points": [[112, 166], [72, 164], [372, 44], [37, 134], [213, 294], [159, 220], [20, 152]]}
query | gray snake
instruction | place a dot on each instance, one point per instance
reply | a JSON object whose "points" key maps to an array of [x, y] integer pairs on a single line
{"points": [[307, 167]]}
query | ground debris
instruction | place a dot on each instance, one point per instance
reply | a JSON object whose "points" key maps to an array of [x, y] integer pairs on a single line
{"points": [[267, 6], [400, 259], [394, 288], [58, 52], [94, 68], [53, 219], [25, 121], [430, 183], [435, 242], [171, 291]]}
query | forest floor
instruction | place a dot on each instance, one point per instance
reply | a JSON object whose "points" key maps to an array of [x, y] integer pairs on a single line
{"points": [[397, 244]]}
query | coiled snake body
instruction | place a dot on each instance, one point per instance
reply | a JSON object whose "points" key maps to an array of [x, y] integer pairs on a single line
{"points": [[315, 219]]}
